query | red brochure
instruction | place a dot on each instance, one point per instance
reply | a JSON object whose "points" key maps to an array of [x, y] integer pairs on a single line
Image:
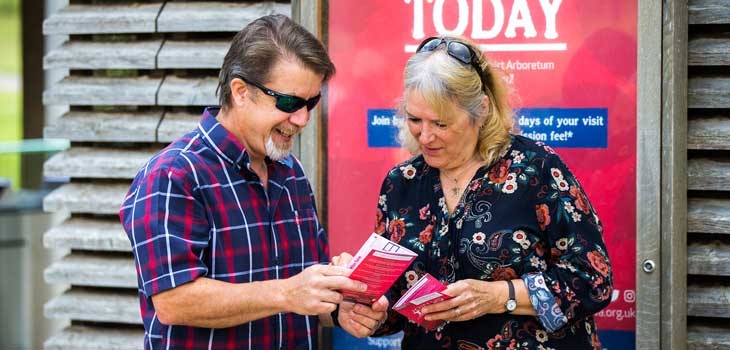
{"points": [[378, 263], [427, 290]]}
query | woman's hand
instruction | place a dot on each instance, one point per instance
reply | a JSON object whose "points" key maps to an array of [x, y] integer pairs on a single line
{"points": [[472, 299]]}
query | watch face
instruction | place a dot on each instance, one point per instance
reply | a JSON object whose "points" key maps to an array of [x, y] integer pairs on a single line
{"points": [[511, 305]]}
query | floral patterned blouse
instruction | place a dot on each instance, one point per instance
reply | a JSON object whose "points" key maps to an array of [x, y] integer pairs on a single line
{"points": [[525, 216]]}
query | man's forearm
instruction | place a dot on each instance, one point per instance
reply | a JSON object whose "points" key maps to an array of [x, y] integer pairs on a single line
{"points": [[211, 303]]}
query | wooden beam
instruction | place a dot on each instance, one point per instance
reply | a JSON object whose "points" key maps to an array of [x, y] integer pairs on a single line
{"points": [[94, 270], [95, 305], [89, 198], [105, 126], [707, 215], [648, 189], [708, 132], [709, 92], [708, 300], [97, 162], [96, 91], [708, 174], [708, 258], [104, 55], [176, 91], [213, 16], [708, 12], [90, 337], [103, 19], [673, 160], [193, 54], [97, 234]]}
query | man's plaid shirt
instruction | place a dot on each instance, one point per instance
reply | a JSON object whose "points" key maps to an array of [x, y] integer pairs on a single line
{"points": [[196, 209]]}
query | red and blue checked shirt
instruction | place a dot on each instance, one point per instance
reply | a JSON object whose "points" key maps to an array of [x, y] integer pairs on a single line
{"points": [[196, 209]]}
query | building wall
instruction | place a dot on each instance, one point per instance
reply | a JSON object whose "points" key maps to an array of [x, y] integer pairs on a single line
{"points": [[135, 76], [708, 174]]}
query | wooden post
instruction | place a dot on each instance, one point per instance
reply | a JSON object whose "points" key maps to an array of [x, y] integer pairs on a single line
{"points": [[31, 165]]}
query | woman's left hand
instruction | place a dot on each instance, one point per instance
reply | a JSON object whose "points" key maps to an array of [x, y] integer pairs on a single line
{"points": [[471, 299]]}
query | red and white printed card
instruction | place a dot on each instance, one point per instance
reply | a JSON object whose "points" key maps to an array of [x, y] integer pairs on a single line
{"points": [[378, 263], [427, 290]]}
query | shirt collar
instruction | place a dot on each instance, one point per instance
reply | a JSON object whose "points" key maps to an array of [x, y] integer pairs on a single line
{"points": [[226, 144]]}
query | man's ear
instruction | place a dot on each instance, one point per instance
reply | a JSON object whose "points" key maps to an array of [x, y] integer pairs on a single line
{"points": [[239, 89]]}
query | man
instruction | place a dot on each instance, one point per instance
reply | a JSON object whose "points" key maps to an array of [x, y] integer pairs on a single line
{"points": [[227, 244]]}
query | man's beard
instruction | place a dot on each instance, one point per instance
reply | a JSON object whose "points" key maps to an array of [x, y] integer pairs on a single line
{"points": [[275, 152]]}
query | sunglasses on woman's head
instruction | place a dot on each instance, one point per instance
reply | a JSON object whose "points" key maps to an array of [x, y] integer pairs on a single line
{"points": [[286, 103], [456, 49]]}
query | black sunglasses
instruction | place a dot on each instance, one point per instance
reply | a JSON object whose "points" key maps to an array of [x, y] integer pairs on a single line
{"points": [[286, 103], [456, 49]]}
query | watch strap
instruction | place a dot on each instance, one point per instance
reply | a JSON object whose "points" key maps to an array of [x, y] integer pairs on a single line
{"points": [[511, 304], [511, 288]]}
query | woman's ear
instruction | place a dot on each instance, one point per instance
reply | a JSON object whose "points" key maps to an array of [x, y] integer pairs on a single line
{"points": [[487, 107], [239, 89]]}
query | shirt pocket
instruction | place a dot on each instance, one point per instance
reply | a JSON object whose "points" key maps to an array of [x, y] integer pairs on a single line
{"points": [[302, 244]]}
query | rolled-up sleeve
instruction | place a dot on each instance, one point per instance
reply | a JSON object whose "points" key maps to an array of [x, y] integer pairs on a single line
{"points": [[167, 228]]}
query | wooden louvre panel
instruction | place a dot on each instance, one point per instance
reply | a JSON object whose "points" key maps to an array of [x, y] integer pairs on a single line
{"points": [[710, 132], [96, 305], [139, 74], [708, 175], [192, 54], [708, 12], [107, 126], [88, 233], [119, 17], [707, 337], [89, 337], [97, 162], [93, 270], [132, 54]]}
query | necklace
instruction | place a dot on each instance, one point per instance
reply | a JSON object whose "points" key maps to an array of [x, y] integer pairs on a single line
{"points": [[456, 189]]}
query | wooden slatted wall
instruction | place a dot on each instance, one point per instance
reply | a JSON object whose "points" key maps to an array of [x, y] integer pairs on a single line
{"points": [[140, 74], [708, 175]]}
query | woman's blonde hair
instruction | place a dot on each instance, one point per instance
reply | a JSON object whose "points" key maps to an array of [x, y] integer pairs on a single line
{"points": [[448, 84]]}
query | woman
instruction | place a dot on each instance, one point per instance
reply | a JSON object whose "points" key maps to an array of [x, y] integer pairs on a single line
{"points": [[497, 217]]}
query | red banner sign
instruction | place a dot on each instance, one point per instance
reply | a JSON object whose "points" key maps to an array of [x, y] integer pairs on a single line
{"points": [[573, 65]]}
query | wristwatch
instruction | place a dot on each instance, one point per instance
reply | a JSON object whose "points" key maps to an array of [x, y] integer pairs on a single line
{"points": [[511, 304]]}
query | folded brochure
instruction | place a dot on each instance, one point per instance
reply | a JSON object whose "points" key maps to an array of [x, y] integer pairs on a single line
{"points": [[378, 263], [427, 290]]}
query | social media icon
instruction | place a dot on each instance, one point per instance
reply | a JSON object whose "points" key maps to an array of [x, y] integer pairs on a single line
{"points": [[629, 296]]}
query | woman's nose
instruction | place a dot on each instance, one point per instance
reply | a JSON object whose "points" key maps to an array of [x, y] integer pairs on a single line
{"points": [[426, 134]]}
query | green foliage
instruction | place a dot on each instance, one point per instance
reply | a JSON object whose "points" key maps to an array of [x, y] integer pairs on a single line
{"points": [[12, 6], [11, 130], [10, 100], [9, 6], [9, 116], [10, 43]]}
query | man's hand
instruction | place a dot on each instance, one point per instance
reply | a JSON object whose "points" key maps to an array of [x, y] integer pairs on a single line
{"points": [[314, 291], [362, 320], [358, 319], [342, 260]]}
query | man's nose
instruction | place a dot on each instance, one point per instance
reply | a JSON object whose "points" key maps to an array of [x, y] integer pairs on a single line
{"points": [[300, 117]]}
